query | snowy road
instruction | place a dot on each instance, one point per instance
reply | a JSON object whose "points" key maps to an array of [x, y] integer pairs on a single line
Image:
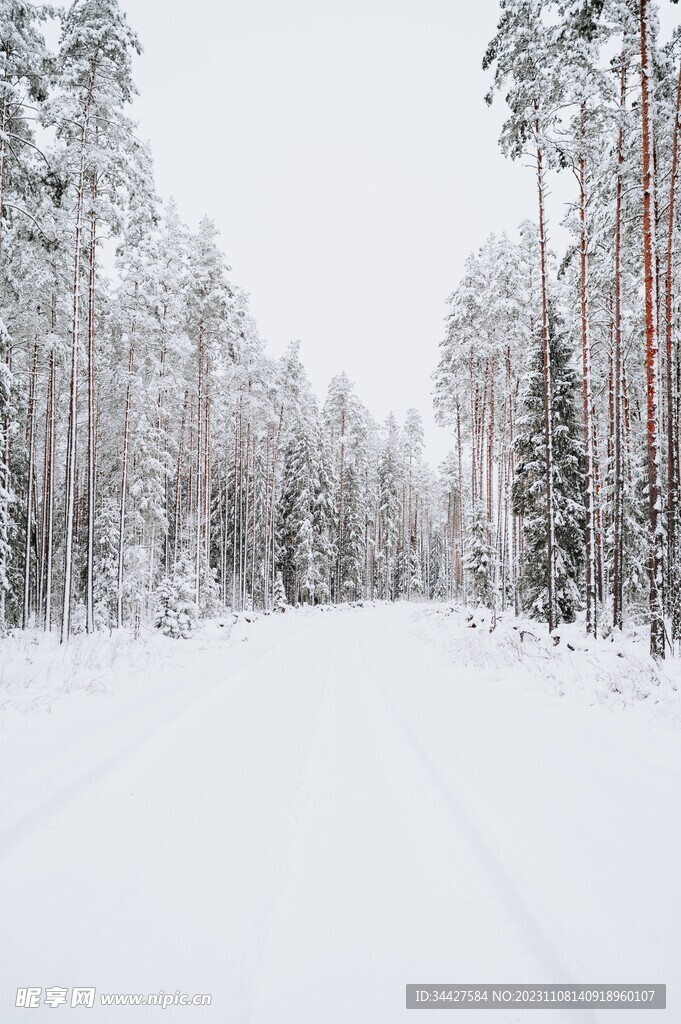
{"points": [[324, 814]]}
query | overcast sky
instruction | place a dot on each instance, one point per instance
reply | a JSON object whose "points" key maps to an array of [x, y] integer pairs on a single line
{"points": [[350, 163]]}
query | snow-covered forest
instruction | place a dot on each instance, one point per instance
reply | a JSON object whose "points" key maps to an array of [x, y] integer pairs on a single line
{"points": [[158, 465], [284, 704], [156, 462], [560, 371]]}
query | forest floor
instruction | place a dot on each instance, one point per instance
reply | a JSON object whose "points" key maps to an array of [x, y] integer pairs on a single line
{"points": [[301, 814]]}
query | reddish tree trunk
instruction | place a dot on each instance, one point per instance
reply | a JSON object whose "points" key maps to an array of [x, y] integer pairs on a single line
{"points": [[672, 423], [656, 528]]}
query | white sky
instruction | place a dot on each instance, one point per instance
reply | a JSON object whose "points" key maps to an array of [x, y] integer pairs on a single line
{"points": [[349, 160]]}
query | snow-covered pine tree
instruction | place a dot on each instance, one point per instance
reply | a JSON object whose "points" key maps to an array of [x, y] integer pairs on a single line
{"points": [[209, 297], [95, 86], [345, 421], [24, 72], [528, 70], [177, 612], [279, 595], [300, 561], [390, 486], [479, 562], [529, 488]]}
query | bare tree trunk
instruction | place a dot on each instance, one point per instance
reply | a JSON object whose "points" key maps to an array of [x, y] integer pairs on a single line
{"points": [[200, 469], [237, 500], [50, 446], [461, 576], [548, 400], [275, 461], [490, 452], [90, 618], [255, 523], [618, 510], [178, 483], [598, 522], [70, 498], [341, 510], [656, 527], [124, 481], [30, 488], [207, 470], [587, 401], [513, 554], [672, 423], [163, 441], [244, 546], [3, 161]]}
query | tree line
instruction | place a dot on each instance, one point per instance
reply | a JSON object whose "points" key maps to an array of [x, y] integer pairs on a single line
{"points": [[156, 463], [562, 377]]}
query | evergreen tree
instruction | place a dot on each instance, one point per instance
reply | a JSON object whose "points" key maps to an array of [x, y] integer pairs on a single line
{"points": [[302, 557], [279, 596], [480, 560], [529, 488], [176, 612]]}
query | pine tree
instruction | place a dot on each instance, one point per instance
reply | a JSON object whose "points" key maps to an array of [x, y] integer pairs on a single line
{"points": [[524, 51], [480, 560], [529, 488], [176, 609], [95, 79], [279, 595], [301, 558], [389, 484]]}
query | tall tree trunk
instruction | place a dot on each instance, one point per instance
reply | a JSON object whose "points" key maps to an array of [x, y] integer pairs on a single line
{"points": [[341, 509], [177, 529], [207, 471], [618, 494], [552, 610], [461, 577], [200, 479], [255, 522], [90, 617], [48, 498], [247, 496], [3, 161], [490, 452], [672, 423], [124, 480], [71, 466], [30, 488], [162, 428], [587, 401], [236, 545], [656, 527]]}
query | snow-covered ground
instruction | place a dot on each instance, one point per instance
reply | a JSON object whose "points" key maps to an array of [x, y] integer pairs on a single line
{"points": [[301, 814]]}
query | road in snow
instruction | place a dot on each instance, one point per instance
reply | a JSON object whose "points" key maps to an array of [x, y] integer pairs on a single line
{"points": [[324, 814]]}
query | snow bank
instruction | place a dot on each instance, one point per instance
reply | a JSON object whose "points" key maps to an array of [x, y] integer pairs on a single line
{"points": [[615, 672], [40, 675]]}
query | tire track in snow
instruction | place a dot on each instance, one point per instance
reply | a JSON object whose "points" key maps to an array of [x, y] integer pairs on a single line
{"points": [[465, 819], [254, 977], [47, 813]]}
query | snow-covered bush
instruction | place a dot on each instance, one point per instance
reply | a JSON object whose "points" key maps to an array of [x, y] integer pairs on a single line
{"points": [[209, 590], [176, 613], [279, 594]]}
